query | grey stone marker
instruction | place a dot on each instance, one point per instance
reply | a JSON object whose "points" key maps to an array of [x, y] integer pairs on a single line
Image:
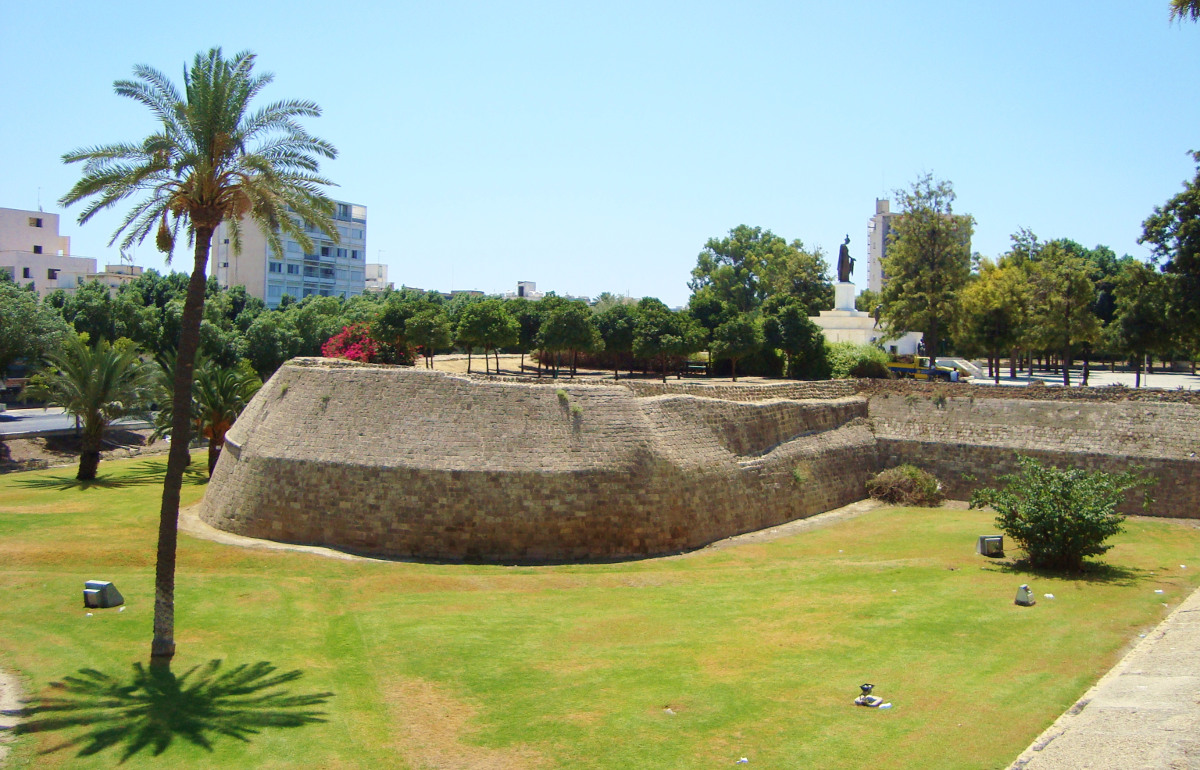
{"points": [[101, 594]]}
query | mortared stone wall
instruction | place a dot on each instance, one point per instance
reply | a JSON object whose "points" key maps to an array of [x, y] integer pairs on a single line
{"points": [[415, 463]]}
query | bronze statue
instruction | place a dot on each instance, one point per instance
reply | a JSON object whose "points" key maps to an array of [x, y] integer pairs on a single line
{"points": [[845, 262]]}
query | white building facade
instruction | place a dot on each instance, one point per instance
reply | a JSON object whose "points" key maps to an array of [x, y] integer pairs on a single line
{"points": [[377, 278], [329, 270], [879, 227], [32, 251]]}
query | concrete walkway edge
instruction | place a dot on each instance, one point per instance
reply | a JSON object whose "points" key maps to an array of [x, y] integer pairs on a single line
{"points": [[1144, 713]]}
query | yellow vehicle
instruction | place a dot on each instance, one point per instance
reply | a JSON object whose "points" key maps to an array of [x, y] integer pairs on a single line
{"points": [[918, 368]]}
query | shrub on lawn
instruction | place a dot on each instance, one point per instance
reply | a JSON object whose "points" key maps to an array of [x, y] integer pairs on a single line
{"points": [[905, 485], [1059, 517]]}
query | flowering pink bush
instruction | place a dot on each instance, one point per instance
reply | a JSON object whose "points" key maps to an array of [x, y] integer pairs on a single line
{"points": [[354, 343]]}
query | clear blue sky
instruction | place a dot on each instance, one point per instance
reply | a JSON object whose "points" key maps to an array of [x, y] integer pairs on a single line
{"points": [[595, 148]]}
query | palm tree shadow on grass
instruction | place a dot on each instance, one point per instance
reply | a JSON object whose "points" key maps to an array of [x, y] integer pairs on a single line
{"points": [[153, 707], [143, 474]]}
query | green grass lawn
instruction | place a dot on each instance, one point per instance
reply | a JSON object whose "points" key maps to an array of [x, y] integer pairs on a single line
{"points": [[757, 650]]}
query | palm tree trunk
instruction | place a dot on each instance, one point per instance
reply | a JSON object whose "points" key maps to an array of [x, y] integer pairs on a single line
{"points": [[214, 453], [89, 461], [162, 648]]}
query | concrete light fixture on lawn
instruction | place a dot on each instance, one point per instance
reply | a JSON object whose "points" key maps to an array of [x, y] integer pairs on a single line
{"points": [[991, 546], [101, 594], [1024, 597]]}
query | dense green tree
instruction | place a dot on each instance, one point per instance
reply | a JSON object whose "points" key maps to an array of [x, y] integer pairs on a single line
{"points": [[661, 334], [430, 331], [803, 342], [213, 159], [867, 301], [569, 328], [28, 328], [615, 324], [1062, 298], [528, 315], [270, 341], [991, 313], [98, 385], [928, 262], [486, 324], [1173, 234], [737, 338], [751, 264], [1141, 324]]}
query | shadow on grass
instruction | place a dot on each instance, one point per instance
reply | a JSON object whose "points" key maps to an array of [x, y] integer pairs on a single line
{"points": [[1092, 572], [153, 707], [147, 473]]}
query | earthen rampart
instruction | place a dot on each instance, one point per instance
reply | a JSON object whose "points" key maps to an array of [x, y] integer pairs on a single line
{"points": [[416, 463]]}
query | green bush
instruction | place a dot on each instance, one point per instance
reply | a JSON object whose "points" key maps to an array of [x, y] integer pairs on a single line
{"points": [[849, 360], [1058, 517], [905, 485]]}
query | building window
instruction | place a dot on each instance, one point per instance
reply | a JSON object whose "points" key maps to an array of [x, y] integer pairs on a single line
{"points": [[37, 249], [293, 247], [356, 276], [324, 251], [341, 274], [25, 273], [341, 253], [52, 274], [274, 292], [35, 221], [354, 254], [293, 269], [275, 267], [356, 234]]}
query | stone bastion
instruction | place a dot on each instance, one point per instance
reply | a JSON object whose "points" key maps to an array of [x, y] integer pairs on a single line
{"points": [[423, 464]]}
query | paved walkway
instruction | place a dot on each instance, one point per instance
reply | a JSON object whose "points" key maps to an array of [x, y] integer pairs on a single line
{"points": [[1144, 713]]}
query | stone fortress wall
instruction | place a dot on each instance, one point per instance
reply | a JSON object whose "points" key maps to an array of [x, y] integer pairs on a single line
{"points": [[423, 464]]}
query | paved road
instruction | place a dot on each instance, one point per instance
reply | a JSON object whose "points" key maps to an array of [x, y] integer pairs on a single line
{"points": [[16, 423], [1101, 377]]}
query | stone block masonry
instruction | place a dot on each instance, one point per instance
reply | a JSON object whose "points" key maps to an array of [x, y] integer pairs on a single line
{"points": [[423, 464], [415, 463]]}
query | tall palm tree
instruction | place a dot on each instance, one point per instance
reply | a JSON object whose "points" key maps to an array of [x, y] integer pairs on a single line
{"points": [[98, 386], [211, 160], [1184, 9]]}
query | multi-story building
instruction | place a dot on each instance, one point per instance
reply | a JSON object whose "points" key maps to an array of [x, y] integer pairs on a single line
{"points": [[32, 251], [329, 270], [377, 278], [878, 229]]}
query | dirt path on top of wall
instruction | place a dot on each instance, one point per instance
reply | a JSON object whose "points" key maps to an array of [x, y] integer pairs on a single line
{"points": [[190, 522], [10, 710]]}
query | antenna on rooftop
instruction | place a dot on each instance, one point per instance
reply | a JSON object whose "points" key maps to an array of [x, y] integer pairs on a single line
{"points": [[126, 258], [39, 199]]}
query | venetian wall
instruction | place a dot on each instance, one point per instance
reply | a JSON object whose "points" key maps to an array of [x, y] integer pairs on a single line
{"points": [[969, 442], [415, 463]]}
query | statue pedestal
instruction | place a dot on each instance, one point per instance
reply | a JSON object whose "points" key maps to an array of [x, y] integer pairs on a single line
{"points": [[843, 296], [845, 324]]}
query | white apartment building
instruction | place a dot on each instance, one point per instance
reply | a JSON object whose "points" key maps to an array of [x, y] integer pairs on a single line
{"points": [[32, 251], [329, 270], [377, 278], [879, 227]]}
